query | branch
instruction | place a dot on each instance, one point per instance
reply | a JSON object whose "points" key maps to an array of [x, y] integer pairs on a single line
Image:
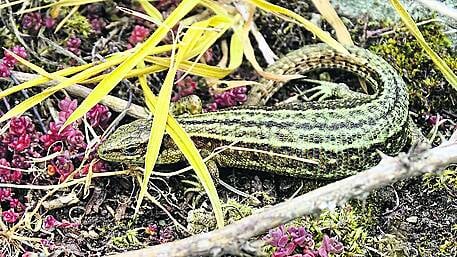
{"points": [[233, 239]]}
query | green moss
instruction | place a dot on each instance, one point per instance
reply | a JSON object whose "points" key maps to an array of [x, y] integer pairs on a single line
{"points": [[350, 223], [128, 240], [389, 245], [201, 220], [446, 179], [78, 25], [426, 84]]}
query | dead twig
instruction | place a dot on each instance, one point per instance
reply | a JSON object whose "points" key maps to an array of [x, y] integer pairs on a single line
{"points": [[116, 104]]}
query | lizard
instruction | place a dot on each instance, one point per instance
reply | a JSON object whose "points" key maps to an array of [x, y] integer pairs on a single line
{"points": [[339, 137]]}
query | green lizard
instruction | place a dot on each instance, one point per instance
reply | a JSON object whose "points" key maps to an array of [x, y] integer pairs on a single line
{"points": [[339, 137]]}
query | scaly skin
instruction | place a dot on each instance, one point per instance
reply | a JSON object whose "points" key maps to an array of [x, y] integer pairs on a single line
{"points": [[339, 136]]}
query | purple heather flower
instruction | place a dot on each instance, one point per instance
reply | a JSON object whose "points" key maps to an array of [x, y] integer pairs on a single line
{"points": [[9, 61], [231, 97], [16, 204], [330, 245], [74, 137], [285, 251], [19, 161], [20, 143], [185, 87], [50, 222], [139, 33], [73, 44], [4, 171], [4, 70], [310, 253], [301, 237], [19, 50], [49, 22], [32, 21], [5, 194], [15, 176], [277, 237], [52, 136], [97, 24]]}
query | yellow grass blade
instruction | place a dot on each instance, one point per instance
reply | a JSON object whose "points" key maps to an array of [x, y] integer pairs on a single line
{"points": [[329, 14], [220, 24], [236, 52], [215, 7], [280, 11], [42, 79], [250, 55], [141, 15], [151, 10], [162, 63], [411, 25], [187, 146], [160, 119], [64, 82], [109, 82], [136, 72]]}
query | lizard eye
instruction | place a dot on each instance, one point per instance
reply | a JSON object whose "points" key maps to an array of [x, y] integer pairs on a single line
{"points": [[130, 150]]}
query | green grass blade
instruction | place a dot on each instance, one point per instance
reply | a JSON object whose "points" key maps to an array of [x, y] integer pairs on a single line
{"points": [[411, 25]]}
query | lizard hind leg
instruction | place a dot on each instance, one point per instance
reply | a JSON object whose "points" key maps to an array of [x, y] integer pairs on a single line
{"points": [[327, 89]]}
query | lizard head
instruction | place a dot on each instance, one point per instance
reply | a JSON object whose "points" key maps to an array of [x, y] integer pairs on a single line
{"points": [[129, 142]]}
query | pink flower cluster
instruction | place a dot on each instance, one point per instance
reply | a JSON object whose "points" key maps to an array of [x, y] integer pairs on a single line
{"points": [[8, 61], [73, 45], [298, 242], [16, 208], [184, 87], [229, 98], [160, 236], [23, 142], [20, 143], [72, 139], [33, 21], [139, 33], [50, 222], [95, 14]]}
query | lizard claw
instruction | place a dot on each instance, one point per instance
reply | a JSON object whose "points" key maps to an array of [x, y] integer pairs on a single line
{"points": [[325, 90]]}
